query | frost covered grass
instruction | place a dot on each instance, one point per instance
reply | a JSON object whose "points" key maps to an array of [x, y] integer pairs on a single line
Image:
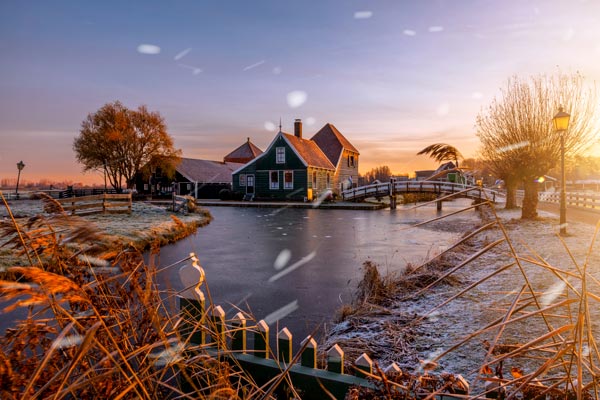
{"points": [[512, 307], [147, 226], [96, 325]]}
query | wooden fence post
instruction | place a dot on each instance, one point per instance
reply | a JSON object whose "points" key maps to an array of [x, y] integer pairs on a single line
{"points": [[393, 368], [238, 334], [364, 366], [192, 312], [218, 321], [104, 203], [309, 355], [284, 345], [335, 359], [261, 339]]}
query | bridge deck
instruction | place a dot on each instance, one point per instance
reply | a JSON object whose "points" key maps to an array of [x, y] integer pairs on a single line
{"points": [[400, 187]]}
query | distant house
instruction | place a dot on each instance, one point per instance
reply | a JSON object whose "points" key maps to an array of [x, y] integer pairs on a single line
{"points": [[203, 179], [294, 168], [243, 154]]}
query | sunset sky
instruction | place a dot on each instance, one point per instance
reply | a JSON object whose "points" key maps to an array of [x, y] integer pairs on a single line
{"points": [[392, 76]]}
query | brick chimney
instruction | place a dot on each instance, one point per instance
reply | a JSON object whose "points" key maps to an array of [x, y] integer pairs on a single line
{"points": [[298, 128]]}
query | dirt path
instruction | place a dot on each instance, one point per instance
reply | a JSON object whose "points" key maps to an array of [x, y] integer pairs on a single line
{"points": [[590, 216]]}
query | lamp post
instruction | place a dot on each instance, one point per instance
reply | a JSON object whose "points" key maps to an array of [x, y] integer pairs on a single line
{"points": [[561, 124], [20, 166]]}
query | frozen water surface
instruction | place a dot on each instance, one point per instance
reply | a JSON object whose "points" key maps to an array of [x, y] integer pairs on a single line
{"points": [[249, 263]]}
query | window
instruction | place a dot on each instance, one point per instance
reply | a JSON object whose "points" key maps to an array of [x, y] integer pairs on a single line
{"points": [[314, 180], [280, 155], [189, 186], [242, 179], [328, 180], [288, 180], [351, 161], [274, 179]]}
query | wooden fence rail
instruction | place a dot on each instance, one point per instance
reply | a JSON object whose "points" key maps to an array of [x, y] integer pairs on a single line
{"points": [[246, 344], [101, 203]]}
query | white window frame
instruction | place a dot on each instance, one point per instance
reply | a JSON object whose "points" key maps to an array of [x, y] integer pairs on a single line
{"points": [[288, 185], [280, 155], [242, 180], [273, 185]]}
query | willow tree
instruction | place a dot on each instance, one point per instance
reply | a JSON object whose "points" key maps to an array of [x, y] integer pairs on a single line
{"points": [[517, 135], [122, 142]]}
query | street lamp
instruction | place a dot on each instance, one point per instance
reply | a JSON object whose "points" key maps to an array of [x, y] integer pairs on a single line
{"points": [[20, 166], [561, 124]]}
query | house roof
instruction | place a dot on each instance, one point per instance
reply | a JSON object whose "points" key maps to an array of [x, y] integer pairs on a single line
{"points": [[309, 151], [332, 142], [246, 152], [207, 171]]}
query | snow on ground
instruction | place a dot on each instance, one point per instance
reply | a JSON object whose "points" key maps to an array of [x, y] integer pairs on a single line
{"points": [[405, 342], [145, 221]]}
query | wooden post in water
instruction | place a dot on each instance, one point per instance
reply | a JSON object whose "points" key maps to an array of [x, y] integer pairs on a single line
{"points": [[439, 205]]}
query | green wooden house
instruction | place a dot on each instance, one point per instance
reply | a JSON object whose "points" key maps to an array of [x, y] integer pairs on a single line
{"points": [[292, 168]]}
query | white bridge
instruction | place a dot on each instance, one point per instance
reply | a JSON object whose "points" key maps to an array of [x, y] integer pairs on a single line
{"points": [[394, 188]]}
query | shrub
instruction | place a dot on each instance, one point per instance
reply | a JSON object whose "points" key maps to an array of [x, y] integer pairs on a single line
{"points": [[225, 194]]}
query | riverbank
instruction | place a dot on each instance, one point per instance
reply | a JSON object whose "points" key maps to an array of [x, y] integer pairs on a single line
{"points": [[336, 205], [148, 225], [420, 314]]}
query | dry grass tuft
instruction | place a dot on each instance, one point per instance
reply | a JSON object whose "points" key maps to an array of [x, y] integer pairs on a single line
{"points": [[97, 328]]}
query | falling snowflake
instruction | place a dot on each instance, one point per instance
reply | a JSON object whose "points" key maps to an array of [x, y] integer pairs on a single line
{"points": [[148, 49], [568, 34], [434, 29], [409, 32], [67, 341], [249, 67], [182, 54], [476, 95], [310, 121], [277, 70], [443, 109], [281, 313], [363, 14], [296, 98], [270, 126], [195, 70]]}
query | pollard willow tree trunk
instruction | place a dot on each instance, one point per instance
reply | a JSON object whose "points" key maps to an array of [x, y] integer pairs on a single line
{"points": [[511, 193], [530, 199]]}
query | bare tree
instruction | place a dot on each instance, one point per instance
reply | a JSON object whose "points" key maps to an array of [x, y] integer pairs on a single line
{"points": [[441, 152], [381, 173], [517, 134], [122, 142]]}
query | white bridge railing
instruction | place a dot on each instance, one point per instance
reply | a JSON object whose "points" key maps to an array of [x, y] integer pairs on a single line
{"points": [[399, 187], [582, 199]]}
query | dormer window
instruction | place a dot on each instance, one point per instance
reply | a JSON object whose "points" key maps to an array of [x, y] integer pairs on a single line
{"points": [[280, 155]]}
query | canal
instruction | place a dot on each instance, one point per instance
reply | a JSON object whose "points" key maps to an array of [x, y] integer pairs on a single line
{"points": [[306, 263]]}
